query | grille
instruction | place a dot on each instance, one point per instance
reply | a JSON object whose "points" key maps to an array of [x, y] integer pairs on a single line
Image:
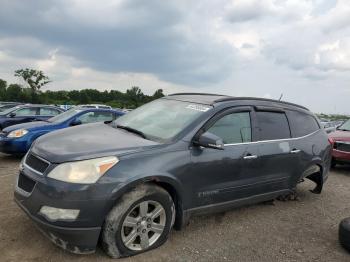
{"points": [[25, 183], [36, 163], [342, 146]]}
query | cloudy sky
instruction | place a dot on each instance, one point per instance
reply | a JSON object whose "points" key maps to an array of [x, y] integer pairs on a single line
{"points": [[263, 48]]}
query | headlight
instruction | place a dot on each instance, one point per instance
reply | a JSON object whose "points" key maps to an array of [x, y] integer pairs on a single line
{"points": [[17, 133], [83, 172]]}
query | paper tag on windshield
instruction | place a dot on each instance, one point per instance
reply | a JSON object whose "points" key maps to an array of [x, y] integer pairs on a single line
{"points": [[198, 108]]}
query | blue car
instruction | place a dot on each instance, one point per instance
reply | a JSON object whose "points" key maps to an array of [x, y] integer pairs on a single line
{"points": [[17, 139], [27, 113]]}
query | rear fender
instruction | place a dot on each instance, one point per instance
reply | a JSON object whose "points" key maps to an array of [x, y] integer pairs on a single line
{"points": [[315, 173]]}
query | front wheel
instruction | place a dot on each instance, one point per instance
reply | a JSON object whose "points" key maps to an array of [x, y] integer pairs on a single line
{"points": [[141, 221]]}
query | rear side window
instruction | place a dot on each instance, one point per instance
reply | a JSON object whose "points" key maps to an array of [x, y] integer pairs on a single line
{"points": [[233, 128], [272, 125], [302, 124], [47, 111]]}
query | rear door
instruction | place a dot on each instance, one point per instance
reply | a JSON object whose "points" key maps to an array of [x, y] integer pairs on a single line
{"points": [[304, 144], [278, 158]]}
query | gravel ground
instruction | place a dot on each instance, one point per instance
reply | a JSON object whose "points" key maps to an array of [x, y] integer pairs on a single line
{"points": [[304, 230]]}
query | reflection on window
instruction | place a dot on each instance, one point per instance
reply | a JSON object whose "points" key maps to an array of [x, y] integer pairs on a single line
{"points": [[233, 128]]}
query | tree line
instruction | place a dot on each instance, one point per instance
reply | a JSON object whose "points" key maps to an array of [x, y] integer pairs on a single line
{"points": [[31, 93]]}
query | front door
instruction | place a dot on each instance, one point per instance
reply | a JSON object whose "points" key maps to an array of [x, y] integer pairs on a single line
{"points": [[224, 175]]}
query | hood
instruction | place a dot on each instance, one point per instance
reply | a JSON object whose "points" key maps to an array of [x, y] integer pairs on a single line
{"points": [[339, 135], [28, 126], [88, 141]]}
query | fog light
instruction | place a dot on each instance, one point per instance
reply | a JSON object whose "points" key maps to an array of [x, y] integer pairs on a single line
{"points": [[54, 214]]}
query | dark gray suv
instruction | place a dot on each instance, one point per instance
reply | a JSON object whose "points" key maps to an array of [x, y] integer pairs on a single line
{"points": [[129, 182]]}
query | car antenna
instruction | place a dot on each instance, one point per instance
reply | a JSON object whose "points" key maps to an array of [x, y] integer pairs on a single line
{"points": [[280, 97]]}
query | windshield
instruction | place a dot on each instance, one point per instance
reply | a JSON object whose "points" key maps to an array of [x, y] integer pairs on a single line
{"points": [[162, 119], [64, 116], [7, 111], [345, 126]]}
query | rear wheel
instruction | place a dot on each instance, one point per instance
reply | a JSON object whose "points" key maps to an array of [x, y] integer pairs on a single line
{"points": [[141, 221]]}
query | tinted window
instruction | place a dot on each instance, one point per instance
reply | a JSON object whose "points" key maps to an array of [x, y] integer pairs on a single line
{"points": [[233, 128], [302, 124], [92, 117], [273, 125], [46, 111], [30, 111]]}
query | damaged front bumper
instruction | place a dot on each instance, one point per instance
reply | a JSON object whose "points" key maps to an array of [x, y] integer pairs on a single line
{"points": [[79, 235], [75, 240]]}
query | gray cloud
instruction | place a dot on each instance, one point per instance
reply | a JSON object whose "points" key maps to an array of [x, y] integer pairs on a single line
{"points": [[240, 47], [133, 36]]}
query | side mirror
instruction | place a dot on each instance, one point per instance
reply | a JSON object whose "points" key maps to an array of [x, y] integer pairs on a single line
{"points": [[76, 122], [210, 140], [12, 114]]}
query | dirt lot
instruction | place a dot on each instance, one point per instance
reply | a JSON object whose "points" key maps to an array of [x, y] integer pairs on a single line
{"points": [[304, 230]]}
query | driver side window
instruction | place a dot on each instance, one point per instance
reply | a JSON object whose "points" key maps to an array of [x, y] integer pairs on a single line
{"points": [[30, 111], [233, 128]]}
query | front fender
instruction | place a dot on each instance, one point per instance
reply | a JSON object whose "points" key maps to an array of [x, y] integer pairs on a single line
{"points": [[157, 179]]}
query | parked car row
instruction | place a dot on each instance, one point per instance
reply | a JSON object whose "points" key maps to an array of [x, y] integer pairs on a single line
{"points": [[21, 125], [331, 126], [27, 113], [129, 181], [17, 139]]}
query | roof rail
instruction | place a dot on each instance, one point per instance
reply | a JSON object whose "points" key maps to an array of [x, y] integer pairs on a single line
{"points": [[259, 99]]}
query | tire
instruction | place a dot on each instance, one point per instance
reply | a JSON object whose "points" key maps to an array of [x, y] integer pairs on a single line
{"points": [[344, 233], [129, 208]]}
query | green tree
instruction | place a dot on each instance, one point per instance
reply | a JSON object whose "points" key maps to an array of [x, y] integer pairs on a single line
{"points": [[158, 94], [3, 85], [13, 92], [84, 97], [35, 79], [135, 95]]}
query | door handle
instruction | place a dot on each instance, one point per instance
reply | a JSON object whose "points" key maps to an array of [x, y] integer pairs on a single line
{"points": [[295, 151], [250, 157]]}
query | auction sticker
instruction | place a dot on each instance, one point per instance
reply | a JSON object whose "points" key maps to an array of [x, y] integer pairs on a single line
{"points": [[198, 108]]}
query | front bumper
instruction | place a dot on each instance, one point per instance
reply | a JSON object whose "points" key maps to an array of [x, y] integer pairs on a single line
{"points": [[94, 202], [13, 146], [75, 240]]}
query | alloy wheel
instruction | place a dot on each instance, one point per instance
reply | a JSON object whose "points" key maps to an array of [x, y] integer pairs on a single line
{"points": [[143, 225]]}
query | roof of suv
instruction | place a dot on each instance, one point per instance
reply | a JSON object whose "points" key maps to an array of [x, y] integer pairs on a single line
{"points": [[212, 99]]}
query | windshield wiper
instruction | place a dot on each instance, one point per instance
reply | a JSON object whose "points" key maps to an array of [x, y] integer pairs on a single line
{"points": [[342, 129], [132, 130]]}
